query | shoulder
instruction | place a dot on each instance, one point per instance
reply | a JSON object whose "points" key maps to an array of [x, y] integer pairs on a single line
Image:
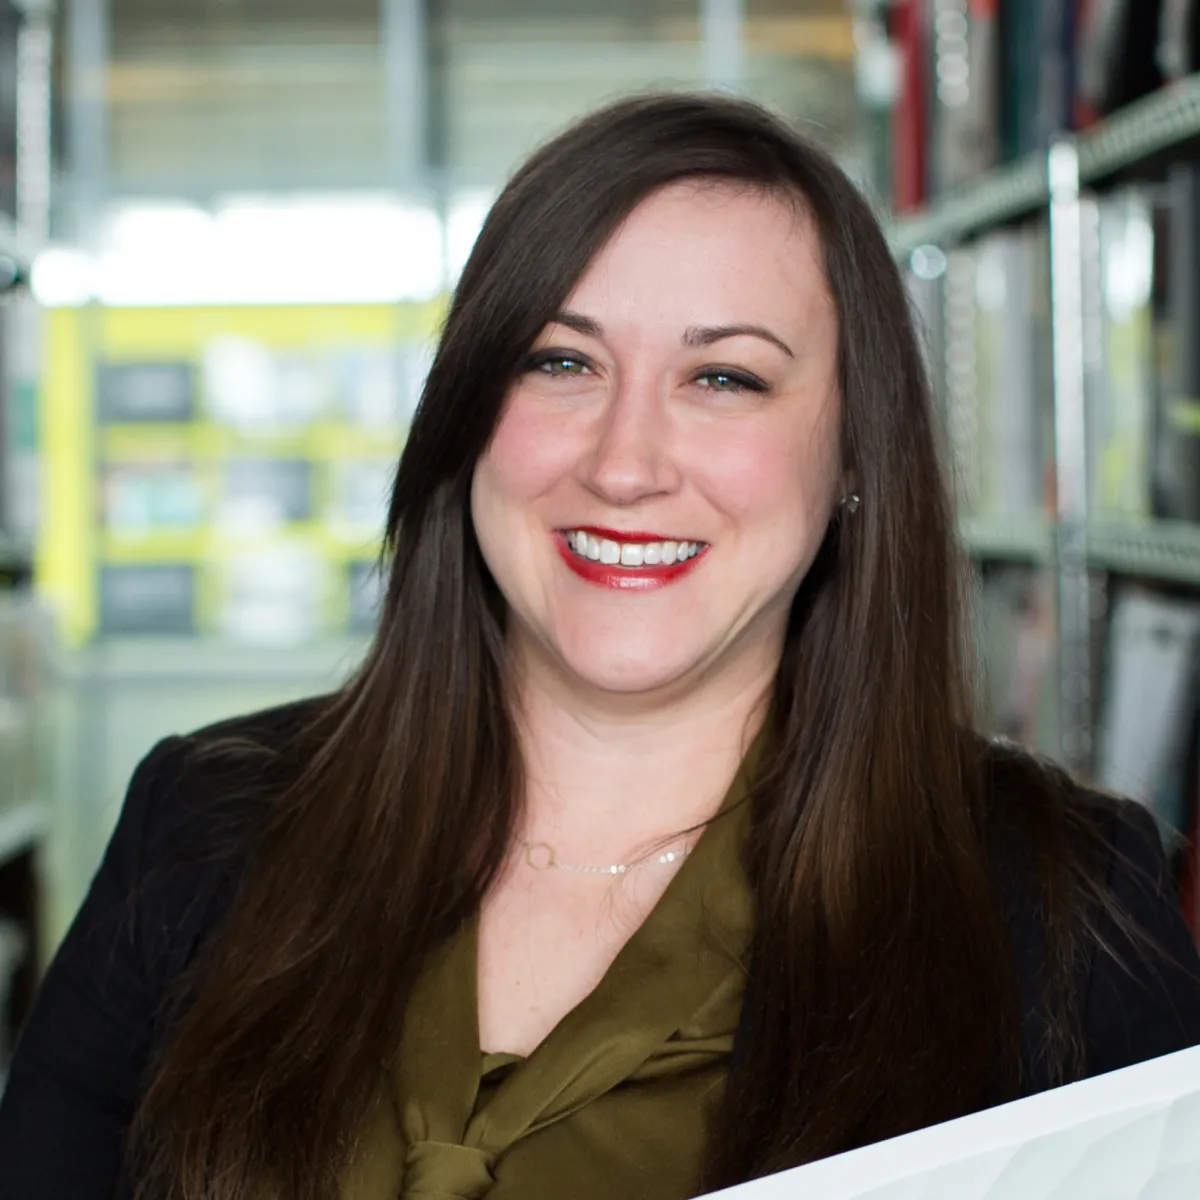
{"points": [[1097, 859], [192, 813], [215, 783]]}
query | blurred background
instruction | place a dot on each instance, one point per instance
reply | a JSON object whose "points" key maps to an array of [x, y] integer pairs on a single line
{"points": [[228, 231]]}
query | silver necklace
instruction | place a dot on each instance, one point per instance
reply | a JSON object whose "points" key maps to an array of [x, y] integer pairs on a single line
{"points": [[541, 856]]}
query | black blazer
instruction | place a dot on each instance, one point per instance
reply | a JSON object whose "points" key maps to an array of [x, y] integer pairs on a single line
{"points": [[169, 872]]}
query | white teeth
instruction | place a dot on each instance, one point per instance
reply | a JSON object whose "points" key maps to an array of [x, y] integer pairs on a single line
{"points": [[630, 554]]}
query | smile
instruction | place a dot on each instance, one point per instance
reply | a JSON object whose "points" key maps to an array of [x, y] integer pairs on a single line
{"points": [[628, 561], [631, 554]]}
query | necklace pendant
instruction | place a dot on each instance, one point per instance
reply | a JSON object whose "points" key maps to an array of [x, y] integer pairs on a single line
{"points": [[540, 855]]}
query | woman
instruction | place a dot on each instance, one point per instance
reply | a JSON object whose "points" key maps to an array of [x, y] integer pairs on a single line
{"points": [[649, 850]]}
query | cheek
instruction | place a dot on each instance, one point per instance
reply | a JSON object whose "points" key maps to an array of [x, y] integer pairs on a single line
{"points": [[775, 478], [527, 455]]}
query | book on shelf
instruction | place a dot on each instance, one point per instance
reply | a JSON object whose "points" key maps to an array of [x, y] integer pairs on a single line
{"points": [[1056, 71], [996, 371], [275, 594], [143, 498], [956, 377], [1013, 370], [145, 392], [984, 82], [1039, 70], [1118, 63], [963, 92], [265, 493], [137, 598], [1176, 457], [1178, 52], [1149, 702], [1021, 51], [910, 118], [1120, 378], [1016, 634]]}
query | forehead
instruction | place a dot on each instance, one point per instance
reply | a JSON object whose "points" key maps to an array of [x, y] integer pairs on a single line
{"points": [[711, 250]]}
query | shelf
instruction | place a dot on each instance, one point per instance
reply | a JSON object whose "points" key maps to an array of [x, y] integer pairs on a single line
{"points": [[1003, 195], [1018, 540], [1166, 550], [1163, 550], [1166, 120], [324, 441], [20, 828]]}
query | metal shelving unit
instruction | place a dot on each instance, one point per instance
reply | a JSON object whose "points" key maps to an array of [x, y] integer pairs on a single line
{"points": [[1026, 540], [1004, 195], [1160, 124], [1139, 140], [1166, 550], [1165, 122]]}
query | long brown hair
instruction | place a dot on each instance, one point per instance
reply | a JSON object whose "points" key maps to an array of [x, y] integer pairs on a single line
{"points": [[881, 991]]}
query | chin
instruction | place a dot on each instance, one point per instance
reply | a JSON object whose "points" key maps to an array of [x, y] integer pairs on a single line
{"points": [[621, 669]]}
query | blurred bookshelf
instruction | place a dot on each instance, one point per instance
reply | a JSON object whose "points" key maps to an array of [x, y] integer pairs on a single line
{"points": [[25, 629], [1159, 550], [1045, 192], [1004, 195], [1025, 540], [1167, 122]]}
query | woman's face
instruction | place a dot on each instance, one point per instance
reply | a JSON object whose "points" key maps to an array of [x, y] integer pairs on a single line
{"points": [[666, 463]]}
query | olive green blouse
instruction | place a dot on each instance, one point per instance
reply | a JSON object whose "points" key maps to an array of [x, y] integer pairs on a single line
{"points": [[616, 1100]]}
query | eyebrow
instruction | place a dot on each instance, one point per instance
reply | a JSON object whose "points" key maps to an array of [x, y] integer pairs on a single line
{"points": [[695, 335], [705, 335]]}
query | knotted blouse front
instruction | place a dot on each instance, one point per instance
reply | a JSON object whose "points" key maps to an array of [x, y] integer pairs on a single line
{"points": [[616, 1101]]}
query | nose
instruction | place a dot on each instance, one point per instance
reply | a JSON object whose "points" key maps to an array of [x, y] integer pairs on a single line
{"points": [[631, 456]]}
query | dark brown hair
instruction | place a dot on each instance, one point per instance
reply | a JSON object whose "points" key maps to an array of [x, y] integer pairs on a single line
{"points": [[881, 995]]}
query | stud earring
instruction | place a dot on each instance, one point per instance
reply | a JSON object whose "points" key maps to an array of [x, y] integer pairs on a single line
{"points": [[849, 503]]}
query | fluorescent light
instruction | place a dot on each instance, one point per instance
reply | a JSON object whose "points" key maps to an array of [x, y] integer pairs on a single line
{"points": [[297, 249], [63, 278]]}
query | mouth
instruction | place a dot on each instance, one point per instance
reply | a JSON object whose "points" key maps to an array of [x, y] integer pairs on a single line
{"points": [[627, 560], [632, 551]]}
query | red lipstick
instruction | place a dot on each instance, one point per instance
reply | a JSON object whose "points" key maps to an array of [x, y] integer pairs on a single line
{"points": [[635, 579]]}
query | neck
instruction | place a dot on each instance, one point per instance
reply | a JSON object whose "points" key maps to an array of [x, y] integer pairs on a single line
{"points": [[607, 775]]}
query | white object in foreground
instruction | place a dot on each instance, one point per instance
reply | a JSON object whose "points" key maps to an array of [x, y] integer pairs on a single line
{"points": [[1131, 1135]]}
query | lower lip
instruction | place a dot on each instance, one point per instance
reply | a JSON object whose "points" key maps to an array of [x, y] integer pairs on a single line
{"points": [[629, 579]]}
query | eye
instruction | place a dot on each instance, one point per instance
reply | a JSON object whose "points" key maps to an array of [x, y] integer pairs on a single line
{"points": [[729, 381], [557, 364]]}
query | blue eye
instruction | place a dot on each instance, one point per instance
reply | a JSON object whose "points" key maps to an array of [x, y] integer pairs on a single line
{"points": [[730, 381], [564, 366], [557, 365]]}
